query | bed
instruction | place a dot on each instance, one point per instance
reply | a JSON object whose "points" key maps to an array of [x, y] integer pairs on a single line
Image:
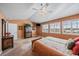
{"points": [[50, 46]]}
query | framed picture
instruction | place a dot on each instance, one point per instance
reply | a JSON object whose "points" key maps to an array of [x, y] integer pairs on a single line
{"points": [[20, 27]]}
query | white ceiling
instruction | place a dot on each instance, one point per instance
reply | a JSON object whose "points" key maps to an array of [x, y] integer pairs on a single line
{"points": [[25, 11]]}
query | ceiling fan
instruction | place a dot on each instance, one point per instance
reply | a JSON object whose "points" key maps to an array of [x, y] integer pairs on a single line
{"points": [[43, 9]]}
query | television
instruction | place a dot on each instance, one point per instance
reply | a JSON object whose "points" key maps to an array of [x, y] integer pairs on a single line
{"points": [[37, 24]]}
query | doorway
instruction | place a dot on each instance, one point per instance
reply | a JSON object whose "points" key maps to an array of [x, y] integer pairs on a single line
{"points": [[13, 29]]}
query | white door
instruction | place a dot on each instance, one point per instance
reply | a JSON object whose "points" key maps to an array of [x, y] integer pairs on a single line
{"points": [[12, 28]]}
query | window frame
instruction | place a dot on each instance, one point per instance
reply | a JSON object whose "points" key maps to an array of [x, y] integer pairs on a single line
{"points": [[72, 22], [65, 28], [54, 28], [45, 30], [77, 26]]}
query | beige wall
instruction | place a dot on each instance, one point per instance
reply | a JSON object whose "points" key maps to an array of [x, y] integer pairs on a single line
{"points": [[2, 16], [21, 23], [64, 36], [39, 30]]}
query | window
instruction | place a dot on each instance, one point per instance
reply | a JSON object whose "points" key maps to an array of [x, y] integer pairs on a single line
{"points": [[55, 27], [66, 27], [52, 30], [71, 27], [75, 26], [45, 28]]}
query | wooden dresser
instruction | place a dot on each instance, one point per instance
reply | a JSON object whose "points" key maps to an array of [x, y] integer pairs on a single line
{"points": [[7, 42]]}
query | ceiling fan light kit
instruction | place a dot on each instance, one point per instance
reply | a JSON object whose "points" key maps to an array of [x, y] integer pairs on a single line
{"points": [[43, 10]]}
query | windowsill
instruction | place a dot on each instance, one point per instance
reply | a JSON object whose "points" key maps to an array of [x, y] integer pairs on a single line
{"points": [[70, 34]]}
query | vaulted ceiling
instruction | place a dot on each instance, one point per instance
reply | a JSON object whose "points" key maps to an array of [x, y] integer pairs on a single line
{"points": [[31, 11]]}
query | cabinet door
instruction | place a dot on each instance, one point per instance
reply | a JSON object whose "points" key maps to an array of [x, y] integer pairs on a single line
{"points": [[27, 31]]}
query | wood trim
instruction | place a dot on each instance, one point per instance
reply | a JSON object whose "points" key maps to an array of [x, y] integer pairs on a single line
{"points": [[3, 25], [64, 36], [76, 16]]}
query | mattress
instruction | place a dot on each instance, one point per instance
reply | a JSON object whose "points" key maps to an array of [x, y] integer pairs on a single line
{"points": [[56, 43]]}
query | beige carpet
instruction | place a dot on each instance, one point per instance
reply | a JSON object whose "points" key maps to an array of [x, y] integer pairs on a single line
{"points": [[22, 47]]}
